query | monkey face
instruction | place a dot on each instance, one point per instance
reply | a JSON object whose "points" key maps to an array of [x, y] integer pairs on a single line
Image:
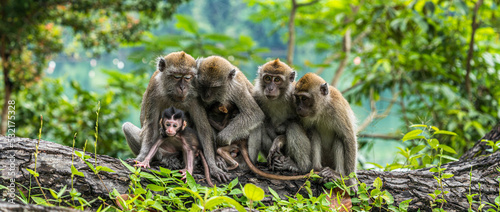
{"points": [[211, 92], [304, 104], [272, 85], [182, 84], [172, 126]]}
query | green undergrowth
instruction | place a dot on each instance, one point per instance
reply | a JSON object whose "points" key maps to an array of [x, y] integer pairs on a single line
{"points": [[165, 191]]}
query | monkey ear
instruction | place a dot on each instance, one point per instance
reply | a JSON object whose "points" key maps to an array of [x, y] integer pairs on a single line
{"points": [[324, 89], [198, 62], [292, 76], [232, 73], [184, 124], [162, 64], [161, 124]]}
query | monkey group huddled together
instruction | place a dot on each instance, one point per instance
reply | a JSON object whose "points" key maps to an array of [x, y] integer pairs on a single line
{"points": [[297, 125]]}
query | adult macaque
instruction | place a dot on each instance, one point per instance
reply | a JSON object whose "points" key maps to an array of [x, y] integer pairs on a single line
{"points": [[220, 82], [328, 118], [171, 85], [274, 93], [176, 137]]}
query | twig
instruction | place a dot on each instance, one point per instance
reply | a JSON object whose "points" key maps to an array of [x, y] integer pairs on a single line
{"points": [[374, 113]]}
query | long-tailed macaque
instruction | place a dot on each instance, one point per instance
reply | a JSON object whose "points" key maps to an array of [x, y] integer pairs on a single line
{"points": [[274, 93], [176, 137], [327, 116], [219, 81], [171, 85]]}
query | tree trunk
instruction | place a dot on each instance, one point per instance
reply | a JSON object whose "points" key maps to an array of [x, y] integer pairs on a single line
{"points": [[8, 91], [54, 167]]}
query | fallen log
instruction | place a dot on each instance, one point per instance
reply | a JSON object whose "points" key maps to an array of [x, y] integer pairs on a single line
{"points": [[54, 166]]}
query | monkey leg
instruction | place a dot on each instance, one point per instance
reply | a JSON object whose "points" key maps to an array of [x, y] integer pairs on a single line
{"points": [[131, 133], [298, 147], [225, 152], [255, 140]]}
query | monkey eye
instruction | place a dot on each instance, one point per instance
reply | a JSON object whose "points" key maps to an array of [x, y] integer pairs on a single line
{"points": [[277, 79], [177, 76], [267, 78], [175, 125], [187, 77], [168, 124]]}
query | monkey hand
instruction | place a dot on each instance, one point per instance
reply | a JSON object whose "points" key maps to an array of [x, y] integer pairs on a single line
{"points": [[282, 162], [327, 174], [221, 163], [144, 164], [274, 152], [218, 174]]}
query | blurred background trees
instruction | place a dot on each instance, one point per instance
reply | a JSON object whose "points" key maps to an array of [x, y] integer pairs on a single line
{"points": [[398, 63]]}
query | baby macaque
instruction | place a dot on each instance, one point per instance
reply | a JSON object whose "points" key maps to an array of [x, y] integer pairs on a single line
{"points": [[176, 137], [219, 116]]}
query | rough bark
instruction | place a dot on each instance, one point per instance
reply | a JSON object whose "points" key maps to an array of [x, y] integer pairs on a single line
{"points": [[54, 162]]}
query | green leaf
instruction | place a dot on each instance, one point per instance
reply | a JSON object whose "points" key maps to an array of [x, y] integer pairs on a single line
{"points": [[434, 143], [414, 134], [191, 182], [389, 199], [194, 194], [214, 201], [275, 195], [35, 174], [444, 132], [447, 175], [497, 201], [403, 206], [447, 157], [129, 167], [376, 165], [61, 192], [418, 125], [447, 148], [53, 193], [253, 192], [38, 200], [417, 149], [378, 183], [154, 187], [3, 187], [186, 23], [75, 171], [375, 192], [103, 168]]}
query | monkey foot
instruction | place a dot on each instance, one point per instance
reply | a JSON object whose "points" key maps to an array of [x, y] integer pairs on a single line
{"points": [[221, 163], [284, 163], [144, 164], [219, 175], [327, 174]]}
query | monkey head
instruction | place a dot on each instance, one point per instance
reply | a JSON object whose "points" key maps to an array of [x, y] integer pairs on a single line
{"points": [[177, 71], [311, 91], [215, 75], [274, 78], [172, 121]]}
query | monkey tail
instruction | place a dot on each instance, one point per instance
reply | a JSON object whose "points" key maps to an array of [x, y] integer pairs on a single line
{"points": [[207, 171], [244, 152]]}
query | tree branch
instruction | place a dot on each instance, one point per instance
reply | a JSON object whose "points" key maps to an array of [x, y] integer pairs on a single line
{"points": [[470, 53], [380, 136], [347, 52], [374, 113]]}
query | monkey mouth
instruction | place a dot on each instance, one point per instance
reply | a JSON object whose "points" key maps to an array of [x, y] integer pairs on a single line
{"points": [[171, 134], [271, 97]]}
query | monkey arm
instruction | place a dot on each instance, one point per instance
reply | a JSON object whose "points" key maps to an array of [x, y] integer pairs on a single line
{"points": [[350, 153], [206, 135], [188, 155], [249, 118], [316, 150], [149, 156]]}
